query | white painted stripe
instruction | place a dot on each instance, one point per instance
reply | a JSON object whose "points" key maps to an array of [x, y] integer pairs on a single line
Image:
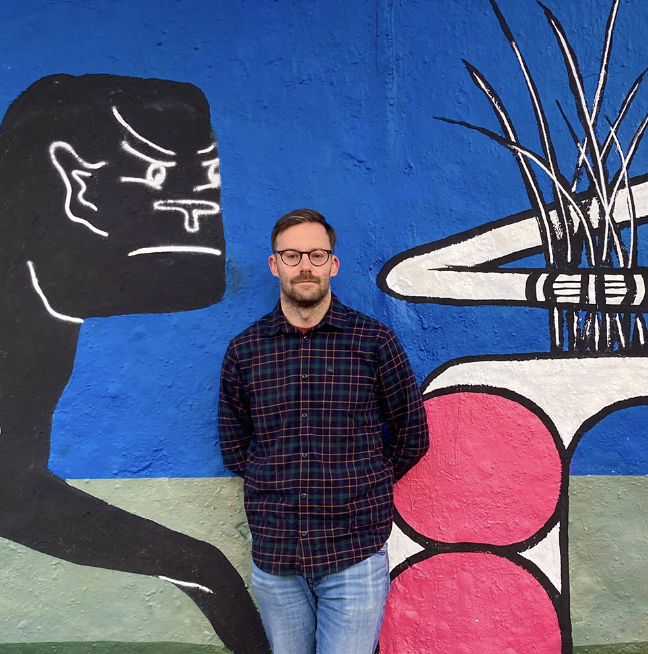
{"points": [[192, 211], [175, 248], [206, 150], [591, 289], [122, 122], [641, 289], [68, 187], [41, 295], [639, 329], [186, 584]]}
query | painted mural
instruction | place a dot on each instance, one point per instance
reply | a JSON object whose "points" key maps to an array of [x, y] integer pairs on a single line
{"points": [[483, 527], [111, 205], [482, 161]]}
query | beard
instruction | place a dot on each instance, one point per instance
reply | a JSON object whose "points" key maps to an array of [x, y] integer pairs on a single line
{"points": [[305, 298]]}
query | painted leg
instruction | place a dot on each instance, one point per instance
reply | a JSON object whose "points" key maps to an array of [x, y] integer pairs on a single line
{"points": [[44, 513]]}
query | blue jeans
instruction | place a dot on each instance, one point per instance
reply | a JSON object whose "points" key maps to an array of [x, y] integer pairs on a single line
{"points": [[340, 613]]}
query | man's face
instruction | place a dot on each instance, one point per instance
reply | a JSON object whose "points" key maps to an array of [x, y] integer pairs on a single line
{"points": [[304, 285]]}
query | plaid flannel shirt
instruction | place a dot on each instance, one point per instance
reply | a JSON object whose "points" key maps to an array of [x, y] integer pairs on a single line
{"points": [[302, 418]]}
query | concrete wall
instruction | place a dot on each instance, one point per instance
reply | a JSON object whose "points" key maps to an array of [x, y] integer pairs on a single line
{"points": [[521, 307]]}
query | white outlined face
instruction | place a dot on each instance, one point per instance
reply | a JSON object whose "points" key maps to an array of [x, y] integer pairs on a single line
{"points": [[147, 215], [159, 165]]}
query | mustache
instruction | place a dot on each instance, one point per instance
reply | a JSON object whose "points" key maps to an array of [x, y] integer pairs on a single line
{"points": [[305, 277]]}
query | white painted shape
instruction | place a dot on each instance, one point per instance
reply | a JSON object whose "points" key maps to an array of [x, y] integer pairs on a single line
{"points": [[569, 390], [503, 241], [540, 286], [426, 275], [641, 289], [175, 248], [546, 555], [56, 145], [78, 175], [45, 301], [212, 184], [213, 175], [409, 279], [124, 124], [639, 328], [186, 584], [156, 172], [591, 288], [192, 211], [206, 150], [400, 547]]}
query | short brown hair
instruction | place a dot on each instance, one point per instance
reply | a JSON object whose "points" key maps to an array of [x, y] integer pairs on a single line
{"points": [[298, 217]]}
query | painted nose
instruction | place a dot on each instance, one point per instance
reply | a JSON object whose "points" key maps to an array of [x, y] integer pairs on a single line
{"points": [[192, 211]]}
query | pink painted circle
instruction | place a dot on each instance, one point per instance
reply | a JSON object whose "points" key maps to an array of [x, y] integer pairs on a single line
{"points": [[465, 603], [492, 473]]}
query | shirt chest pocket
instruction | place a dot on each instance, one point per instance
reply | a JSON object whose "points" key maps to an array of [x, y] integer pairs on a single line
{"points": [[346, 384]]}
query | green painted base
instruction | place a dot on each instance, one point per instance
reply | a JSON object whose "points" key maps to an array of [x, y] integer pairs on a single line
{"points": [[110, 648], [621, 648]]}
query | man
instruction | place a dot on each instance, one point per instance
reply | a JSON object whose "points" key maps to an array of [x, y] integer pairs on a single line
{"points": [[305, 395]]}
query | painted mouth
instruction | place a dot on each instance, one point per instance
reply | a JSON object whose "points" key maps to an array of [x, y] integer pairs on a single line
{"points": [[197, 249]]}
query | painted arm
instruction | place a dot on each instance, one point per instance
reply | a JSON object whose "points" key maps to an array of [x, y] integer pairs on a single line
{"points": [[465, 268]]}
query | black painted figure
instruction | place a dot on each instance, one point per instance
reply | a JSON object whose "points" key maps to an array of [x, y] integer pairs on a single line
{"points": [[109, 196]]}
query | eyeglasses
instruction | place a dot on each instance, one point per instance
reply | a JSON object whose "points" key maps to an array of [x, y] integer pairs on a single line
{"points": [[292, 257]]}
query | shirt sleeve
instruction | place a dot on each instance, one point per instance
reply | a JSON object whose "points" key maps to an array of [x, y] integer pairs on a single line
{"points": [[401, 407], [235, 425]]}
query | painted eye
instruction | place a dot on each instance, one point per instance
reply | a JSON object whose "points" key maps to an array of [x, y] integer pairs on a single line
{"points": [[156, 174], [213, 174]]}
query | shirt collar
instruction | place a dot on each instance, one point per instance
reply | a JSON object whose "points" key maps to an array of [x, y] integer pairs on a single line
{"points": [[275, 322]]}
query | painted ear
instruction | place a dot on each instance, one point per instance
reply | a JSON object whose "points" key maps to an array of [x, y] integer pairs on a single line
{"points": [[75, 172]]}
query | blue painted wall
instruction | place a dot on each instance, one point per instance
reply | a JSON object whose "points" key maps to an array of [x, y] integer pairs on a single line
{"points": [[329, 105], [332, 105]]}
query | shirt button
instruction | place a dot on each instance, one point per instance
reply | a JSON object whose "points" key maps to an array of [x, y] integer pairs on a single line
{"points": [[304, 455], [303, 496], [304, 415], [304, 533], [304, 376], [306, 338]]}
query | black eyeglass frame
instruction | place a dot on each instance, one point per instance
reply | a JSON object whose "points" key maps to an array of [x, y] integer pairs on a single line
{"points": [[301, 254]]}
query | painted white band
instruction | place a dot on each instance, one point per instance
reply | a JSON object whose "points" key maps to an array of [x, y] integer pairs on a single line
{"points": [[591, 289], [640, 293], [41, 295], [186, 584], [124, 124], [175, 248], [540, 294]]}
